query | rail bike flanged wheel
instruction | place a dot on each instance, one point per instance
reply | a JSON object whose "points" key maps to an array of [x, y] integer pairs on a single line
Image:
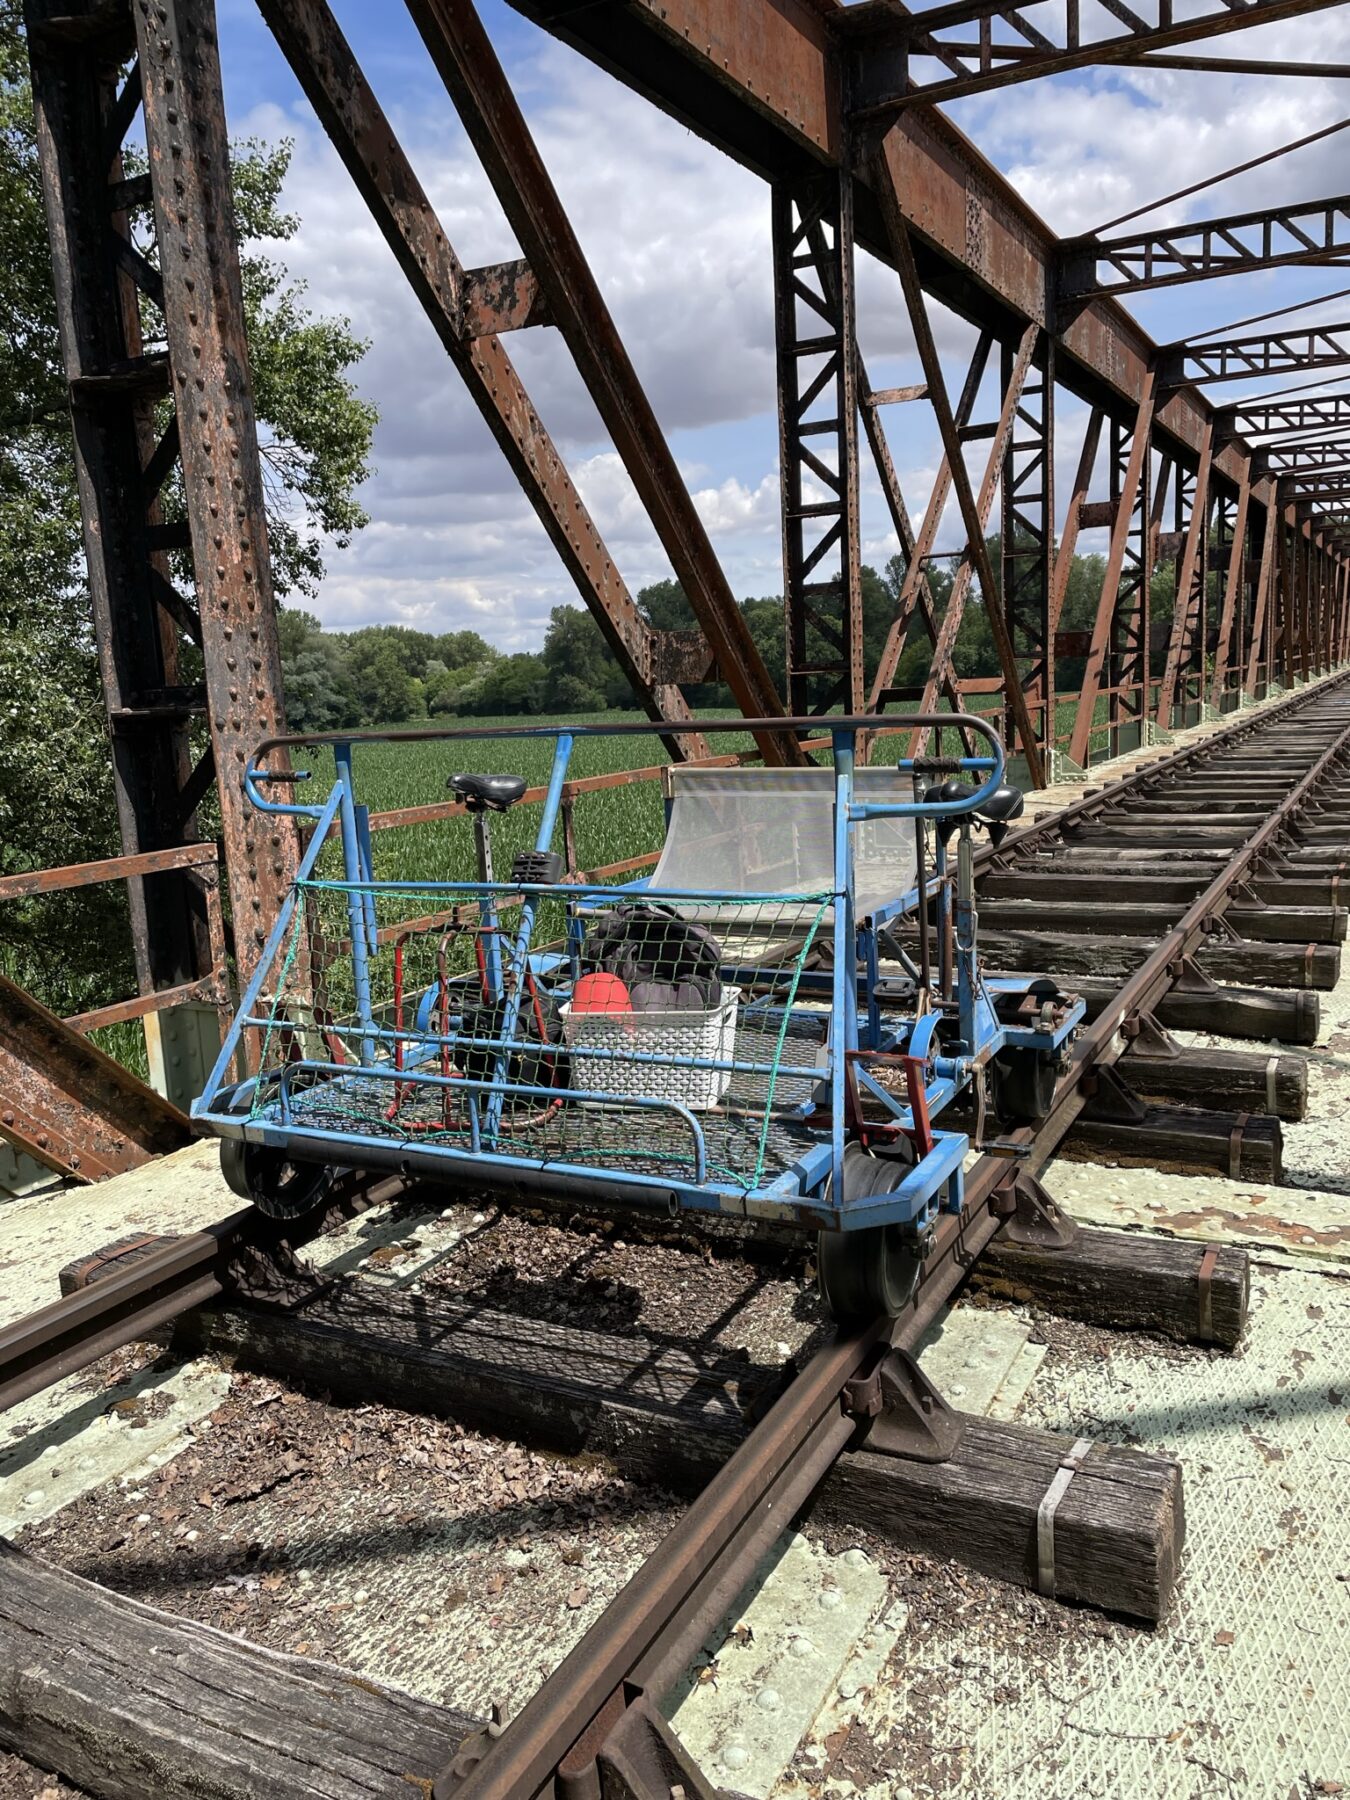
{"points": [[276, 1183], [1023, 1084], [871, 1272]]}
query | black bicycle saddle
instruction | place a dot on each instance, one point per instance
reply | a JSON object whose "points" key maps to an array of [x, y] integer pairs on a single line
{"points": [[493, 793]]}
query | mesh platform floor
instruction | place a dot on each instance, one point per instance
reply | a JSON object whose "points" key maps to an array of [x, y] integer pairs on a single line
{"points": [[630, 1139]]}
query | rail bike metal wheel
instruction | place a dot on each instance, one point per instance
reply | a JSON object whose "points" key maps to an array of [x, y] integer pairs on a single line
{"points": [[277, 1184], [1022, 1084], [872, 1272]]}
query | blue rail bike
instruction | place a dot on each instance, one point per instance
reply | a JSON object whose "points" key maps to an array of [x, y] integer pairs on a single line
{"points": [[772, 1022]]}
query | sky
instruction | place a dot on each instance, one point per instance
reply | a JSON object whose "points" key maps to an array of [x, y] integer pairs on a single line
{"points": [[678, 237]]}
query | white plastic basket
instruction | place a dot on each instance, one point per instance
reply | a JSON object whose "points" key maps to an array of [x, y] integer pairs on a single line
{"points": [[709, 1036]]}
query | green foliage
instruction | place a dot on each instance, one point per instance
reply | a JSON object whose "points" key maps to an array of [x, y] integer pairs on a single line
{"points": [[56, 792]]}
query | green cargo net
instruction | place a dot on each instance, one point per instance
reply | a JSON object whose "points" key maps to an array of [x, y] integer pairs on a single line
{"points": [[632, 1017]]}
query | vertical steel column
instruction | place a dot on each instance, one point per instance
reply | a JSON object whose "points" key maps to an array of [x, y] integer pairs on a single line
{"points": [[1129, 492], [1027, 537], [1323, 607], [818, 443], [1284, 594], [1186, 647], [81, 115], [1130, 667], [1303, 552], [222, 476], [1314, 603], [1230, 555], [1261, 652]]}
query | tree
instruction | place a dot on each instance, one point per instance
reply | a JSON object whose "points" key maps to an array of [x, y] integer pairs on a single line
{"points": [[56, 798], [383, 685], [583, 672], [511, 684], [320, 693], [462, 650]]}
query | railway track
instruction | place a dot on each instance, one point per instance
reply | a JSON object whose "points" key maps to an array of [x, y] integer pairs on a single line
{"points": [[1203, 890], [595, 1726]]}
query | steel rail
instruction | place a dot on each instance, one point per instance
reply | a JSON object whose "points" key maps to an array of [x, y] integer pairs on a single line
{"points": [[1102, 799], [644, 1637], [72, 1332], [129, 1303]]}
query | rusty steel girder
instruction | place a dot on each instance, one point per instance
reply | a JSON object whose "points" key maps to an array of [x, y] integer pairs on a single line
{"points": [[76, 49], [1046, 37], [1278, 418], [1295, 351], [473, 77], [1317, 232], [469, 310], [68, 1105]]}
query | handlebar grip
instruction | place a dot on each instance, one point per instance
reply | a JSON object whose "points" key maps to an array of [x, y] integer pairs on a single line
{"points": [[283, 775]]}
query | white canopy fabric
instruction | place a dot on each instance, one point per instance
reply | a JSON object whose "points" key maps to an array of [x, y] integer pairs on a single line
{"points": [[771, 831]]}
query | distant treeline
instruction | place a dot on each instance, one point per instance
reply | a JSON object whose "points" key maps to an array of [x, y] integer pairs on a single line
{"points": [[391, 674]]}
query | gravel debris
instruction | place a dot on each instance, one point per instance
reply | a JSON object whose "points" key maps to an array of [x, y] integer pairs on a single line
{"points": [[333, 1531], [21, 1781], [632, 1277]]}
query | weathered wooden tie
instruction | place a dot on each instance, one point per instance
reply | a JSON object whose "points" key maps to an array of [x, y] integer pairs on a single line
{"points": [[1223, 959], [669, 1412], [1266, 1014], [1263, 924], [1197, 1293], [1243, 1146], [1272, 1084], [131, 1703]]}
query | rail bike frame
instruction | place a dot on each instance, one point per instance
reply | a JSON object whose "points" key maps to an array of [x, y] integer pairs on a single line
{"points": [[934, 1044]]}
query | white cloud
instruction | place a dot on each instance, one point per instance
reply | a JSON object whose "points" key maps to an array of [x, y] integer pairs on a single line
{"points": [[678, 237]]}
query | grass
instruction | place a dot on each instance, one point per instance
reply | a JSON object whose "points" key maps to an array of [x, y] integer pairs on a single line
{"points": [[610, 825]]}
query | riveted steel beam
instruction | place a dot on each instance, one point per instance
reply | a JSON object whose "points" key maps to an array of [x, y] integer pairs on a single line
{"points": [[474, 78], [1289, 459], [82, 111], [763, 81], [468, 309], [1229, 659], [68, 1105], [974, 514], [1273, 353], [188, 152], [1280, 418], [1188, 635], [814, 328], [1027, 537], [1119, 644], [1270, 238], [982, 44]]}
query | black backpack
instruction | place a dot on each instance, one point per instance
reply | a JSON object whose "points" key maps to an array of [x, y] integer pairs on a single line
{"points": [[667, 963]]}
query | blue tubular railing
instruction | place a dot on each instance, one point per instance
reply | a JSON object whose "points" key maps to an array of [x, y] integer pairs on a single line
{"points": [[515, 993], [844, 1000], [487, 1098], [360, 898], [472, 1087], [324, 815]]}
